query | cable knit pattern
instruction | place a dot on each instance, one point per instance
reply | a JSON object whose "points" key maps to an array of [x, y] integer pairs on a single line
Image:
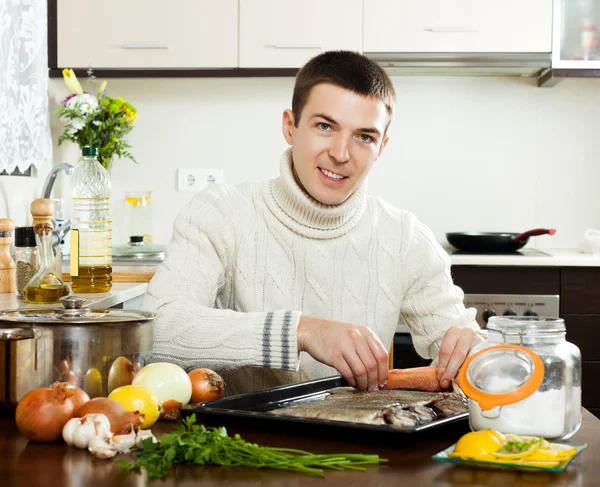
{"points": [[245, 261]]}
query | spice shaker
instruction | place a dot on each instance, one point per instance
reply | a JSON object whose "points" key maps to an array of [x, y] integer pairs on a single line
{"points": [[26, 257], [7, 264]]}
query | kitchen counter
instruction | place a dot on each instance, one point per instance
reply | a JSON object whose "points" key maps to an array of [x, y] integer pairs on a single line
{"points": [[122, 293], [555, 258], [29, 464]]}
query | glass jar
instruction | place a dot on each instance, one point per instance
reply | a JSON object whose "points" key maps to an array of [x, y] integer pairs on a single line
{"points": [[138, 215], [524, 379], [26, 257]]}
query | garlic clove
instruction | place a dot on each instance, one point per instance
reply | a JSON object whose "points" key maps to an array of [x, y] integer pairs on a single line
{"points": [[100, 448], [69, 430], [102, 426], [144, 434], [123, 443], [84, 434]]}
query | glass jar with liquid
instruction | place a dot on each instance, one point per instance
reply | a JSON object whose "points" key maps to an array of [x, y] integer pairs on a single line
{"points": [[46, 285], [138, 215]]}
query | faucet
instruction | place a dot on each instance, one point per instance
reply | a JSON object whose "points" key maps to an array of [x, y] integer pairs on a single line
{"points": [[58, 233], [47, 189]]}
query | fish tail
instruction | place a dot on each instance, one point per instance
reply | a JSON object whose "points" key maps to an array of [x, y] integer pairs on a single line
{"points": [[417, 378]]}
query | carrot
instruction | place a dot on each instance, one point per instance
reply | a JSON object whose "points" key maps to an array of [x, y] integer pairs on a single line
{"points": [[419, 378]]}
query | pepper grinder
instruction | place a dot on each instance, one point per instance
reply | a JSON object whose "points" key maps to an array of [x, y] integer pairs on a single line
{"points": [[8, 273]]}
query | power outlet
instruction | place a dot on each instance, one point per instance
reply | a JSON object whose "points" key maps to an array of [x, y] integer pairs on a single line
{"points": [[196, 179]]}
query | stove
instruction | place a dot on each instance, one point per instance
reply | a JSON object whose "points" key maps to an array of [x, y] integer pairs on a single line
{"points": [[523, 252], [488, 305]]}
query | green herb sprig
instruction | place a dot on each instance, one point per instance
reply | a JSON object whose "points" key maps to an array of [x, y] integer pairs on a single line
{"points": [[195, 444]]}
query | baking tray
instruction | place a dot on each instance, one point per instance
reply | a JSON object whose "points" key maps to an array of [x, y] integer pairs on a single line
{"points": [[250, 411]]}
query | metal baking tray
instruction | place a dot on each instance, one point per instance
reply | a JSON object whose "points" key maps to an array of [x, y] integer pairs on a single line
{"points": [[250, 411]]}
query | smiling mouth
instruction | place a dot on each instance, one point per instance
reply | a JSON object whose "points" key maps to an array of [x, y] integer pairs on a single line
{"points": [[332, 175]]}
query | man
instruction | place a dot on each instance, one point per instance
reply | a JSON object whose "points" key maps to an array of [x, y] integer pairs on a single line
{"points": [[306, 275]]}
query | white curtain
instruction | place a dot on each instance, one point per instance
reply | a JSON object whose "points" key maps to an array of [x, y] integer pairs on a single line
{"points": [[24, 119]]}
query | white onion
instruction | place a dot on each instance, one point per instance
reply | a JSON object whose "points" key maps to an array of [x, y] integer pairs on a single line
{"points": [[165, 382]]}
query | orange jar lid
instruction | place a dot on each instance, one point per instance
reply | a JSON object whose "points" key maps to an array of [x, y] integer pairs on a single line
{"points": [[500, 375]]}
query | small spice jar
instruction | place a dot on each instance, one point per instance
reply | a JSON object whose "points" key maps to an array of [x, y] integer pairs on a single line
{"points": [[26, 257], [525, 379]]}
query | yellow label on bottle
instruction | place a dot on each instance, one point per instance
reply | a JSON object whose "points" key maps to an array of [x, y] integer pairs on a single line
{"points": [[74, 263]]}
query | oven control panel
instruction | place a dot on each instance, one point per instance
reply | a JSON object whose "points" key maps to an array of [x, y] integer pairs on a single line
{"points": [[488, 305]]}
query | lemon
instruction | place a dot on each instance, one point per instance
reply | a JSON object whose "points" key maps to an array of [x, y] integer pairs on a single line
{"points": [[137, 398], [518, 447], [478, 445]]}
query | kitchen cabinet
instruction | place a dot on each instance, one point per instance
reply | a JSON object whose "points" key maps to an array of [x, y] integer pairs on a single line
{"points": [[285, 34], [579, 290], [146, 34], [457, 26], [576, 41]]}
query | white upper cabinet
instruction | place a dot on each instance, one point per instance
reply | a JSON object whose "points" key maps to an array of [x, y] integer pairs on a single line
{"points": [[286, 33], [147, 34], [457, 26]]}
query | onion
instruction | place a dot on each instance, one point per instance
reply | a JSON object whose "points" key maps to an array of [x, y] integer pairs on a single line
{"points": [[207, 385], [43, 412], [166, 382], [121, 420], [79, 397]]}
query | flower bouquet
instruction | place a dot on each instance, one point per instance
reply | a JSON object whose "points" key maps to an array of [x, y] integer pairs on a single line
{"points": [[96, 120]]}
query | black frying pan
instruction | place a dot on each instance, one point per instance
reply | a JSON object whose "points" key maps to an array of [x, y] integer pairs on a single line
{"points": [[493, 242]]}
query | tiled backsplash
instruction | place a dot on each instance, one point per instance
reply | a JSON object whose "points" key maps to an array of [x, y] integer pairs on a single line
{"points": [[487, 154]]}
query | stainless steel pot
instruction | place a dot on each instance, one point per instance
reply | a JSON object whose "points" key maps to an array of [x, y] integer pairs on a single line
{"points": [[97, 350]]}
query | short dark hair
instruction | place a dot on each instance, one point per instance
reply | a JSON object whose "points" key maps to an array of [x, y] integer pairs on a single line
{"points": [[346, 69]]}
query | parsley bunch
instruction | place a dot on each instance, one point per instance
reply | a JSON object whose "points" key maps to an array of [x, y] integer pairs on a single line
{"points": [[198, 445]]}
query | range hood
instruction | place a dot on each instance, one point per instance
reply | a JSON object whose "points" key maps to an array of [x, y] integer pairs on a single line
{"points": [[463, 63]]}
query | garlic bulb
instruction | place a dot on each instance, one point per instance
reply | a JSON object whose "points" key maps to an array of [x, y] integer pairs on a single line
{"points": [[79, 432]]}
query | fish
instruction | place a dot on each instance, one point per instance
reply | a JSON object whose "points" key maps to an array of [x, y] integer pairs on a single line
{"points": [[449, 404], [416, 378], [400, 417], [400, 408]]}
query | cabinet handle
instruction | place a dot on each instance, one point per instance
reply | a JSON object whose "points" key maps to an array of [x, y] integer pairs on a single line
{"points": [[454, 28], [144, 46], [296, 46]]}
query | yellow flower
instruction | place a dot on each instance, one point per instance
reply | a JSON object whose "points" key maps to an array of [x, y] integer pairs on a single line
{"points": [[102, 88], [72, 82], [131, 114]]}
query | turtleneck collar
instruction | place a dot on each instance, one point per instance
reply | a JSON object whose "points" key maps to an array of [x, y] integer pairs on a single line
{"points": [[305, 215]]}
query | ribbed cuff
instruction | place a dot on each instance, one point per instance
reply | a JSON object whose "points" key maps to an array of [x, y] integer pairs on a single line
{"points": [[276, 343]]}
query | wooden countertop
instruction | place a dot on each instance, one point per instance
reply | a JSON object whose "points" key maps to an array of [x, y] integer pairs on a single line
{"points": [[30, 464]]}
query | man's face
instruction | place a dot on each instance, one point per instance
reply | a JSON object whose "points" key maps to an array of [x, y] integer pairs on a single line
{"points": [[339, 136]]}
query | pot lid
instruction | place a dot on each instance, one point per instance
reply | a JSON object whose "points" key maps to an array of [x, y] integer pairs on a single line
{"points": [[138, 249], [501, 375], [72, 312]]}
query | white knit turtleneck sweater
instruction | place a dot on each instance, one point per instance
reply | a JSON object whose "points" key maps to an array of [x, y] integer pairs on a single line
{"points": [[246, 261]]}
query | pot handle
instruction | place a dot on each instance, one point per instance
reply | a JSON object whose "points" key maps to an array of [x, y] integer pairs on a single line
{"points": [[533, 233], [13, 334]]}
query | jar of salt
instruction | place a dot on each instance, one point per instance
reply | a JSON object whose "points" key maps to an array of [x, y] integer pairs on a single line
{"points": [[524, 379]]}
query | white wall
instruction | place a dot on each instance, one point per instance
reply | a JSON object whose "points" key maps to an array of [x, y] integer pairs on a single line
{"points": [[487, 154]]}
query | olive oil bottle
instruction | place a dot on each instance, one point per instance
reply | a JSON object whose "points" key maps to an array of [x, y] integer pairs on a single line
{"points": [[46, 286], [91, 226]]}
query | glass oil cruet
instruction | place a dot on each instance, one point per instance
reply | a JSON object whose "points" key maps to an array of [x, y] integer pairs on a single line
{"points": [[46, 286]]}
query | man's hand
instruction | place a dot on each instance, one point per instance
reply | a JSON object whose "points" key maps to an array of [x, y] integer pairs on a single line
{"points": [[354, 350], [455, 348]]}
